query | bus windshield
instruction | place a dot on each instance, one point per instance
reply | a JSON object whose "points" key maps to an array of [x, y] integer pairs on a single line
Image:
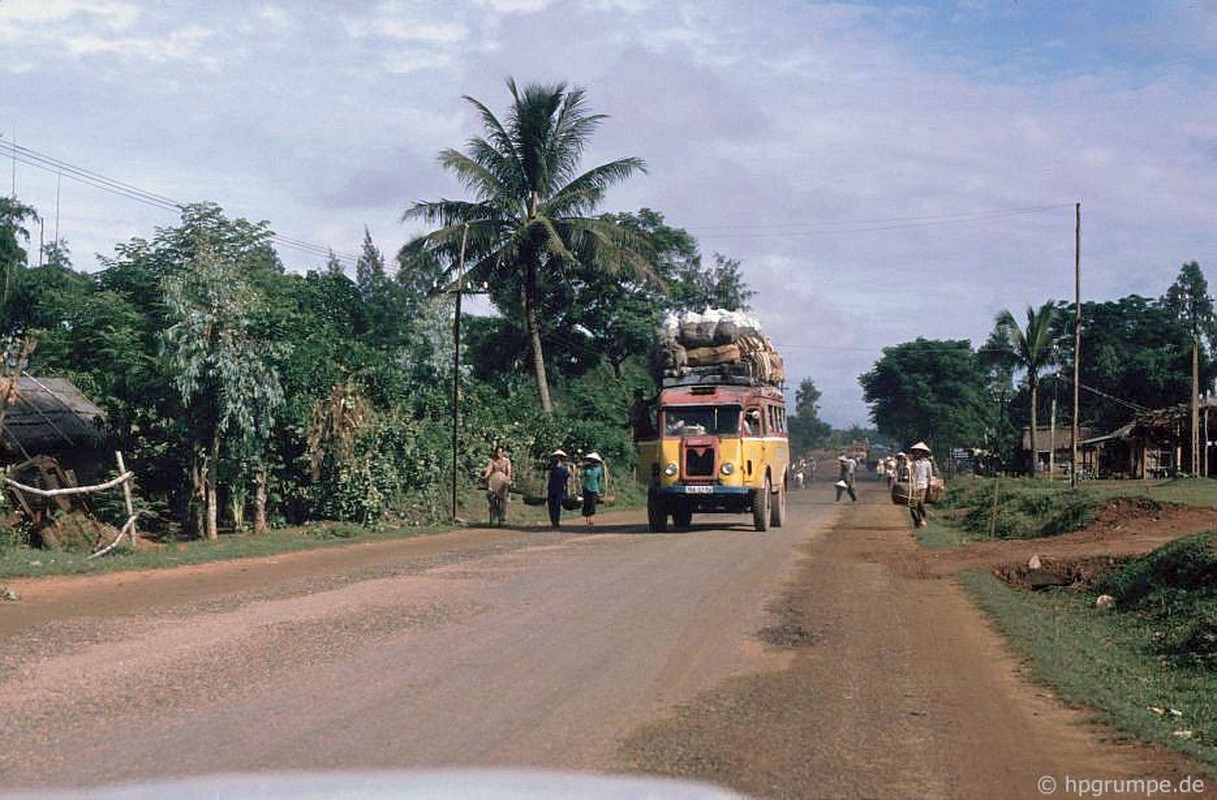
{"points": [[701, 420]]}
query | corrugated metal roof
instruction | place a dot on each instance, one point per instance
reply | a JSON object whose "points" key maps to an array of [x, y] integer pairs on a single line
{"points": [[50, 415]]}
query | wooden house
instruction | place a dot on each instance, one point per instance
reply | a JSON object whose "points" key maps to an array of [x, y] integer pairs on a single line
{"points": [[1156, 444], [50, 416]]}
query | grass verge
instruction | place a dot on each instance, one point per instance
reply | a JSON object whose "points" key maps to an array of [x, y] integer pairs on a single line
{"points": [[26, 562], [1029, 509], [1107, 661]]}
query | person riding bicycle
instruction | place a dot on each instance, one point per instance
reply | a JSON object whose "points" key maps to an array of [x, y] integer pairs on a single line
{"points": [[497, 476]]}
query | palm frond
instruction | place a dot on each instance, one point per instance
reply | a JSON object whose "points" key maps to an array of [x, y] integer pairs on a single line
{"points": [[591, 186], [498, 135]]}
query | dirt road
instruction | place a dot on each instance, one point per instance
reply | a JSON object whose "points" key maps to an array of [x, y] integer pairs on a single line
{"points": [[805, 662]]}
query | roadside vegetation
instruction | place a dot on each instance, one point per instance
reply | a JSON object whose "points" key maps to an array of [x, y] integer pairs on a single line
{"points": [[1145, 656], [1031, 509], [1145, 666], [249, 396]]}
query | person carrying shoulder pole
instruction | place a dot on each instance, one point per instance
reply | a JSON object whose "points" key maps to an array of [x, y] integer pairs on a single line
{"points": [[920, 473], [559, 476], [594, 480]]}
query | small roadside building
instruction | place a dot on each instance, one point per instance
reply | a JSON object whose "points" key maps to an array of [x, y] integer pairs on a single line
{"points": [[1053, 448], [1156, 444], [51, 416]]}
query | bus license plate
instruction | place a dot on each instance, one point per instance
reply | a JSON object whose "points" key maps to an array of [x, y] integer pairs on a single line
{"points": [[699, 490]]}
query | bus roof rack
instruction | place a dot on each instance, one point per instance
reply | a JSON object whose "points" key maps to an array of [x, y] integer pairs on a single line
{"points": [[722, 378]]}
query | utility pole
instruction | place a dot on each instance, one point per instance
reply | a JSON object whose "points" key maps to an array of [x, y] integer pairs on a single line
{"points": [[456, 364], [1195, 400], [1052, 438], [1077, 339]]}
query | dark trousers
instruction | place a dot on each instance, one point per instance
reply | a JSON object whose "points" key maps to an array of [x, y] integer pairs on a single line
{"points": [[917, 507], [849, 488], [590, 499], [554, 502]]}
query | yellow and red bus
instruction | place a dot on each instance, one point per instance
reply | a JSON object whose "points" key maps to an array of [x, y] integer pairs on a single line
{"points": [[718, 448]]}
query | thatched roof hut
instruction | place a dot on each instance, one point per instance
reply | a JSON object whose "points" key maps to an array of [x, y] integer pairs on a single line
{"points": [[48, 416]]}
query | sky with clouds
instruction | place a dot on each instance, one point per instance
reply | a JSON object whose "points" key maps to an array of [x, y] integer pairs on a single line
{"points": [[882, 170]]}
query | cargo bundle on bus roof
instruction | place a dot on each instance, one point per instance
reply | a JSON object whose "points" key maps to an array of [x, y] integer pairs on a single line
{"points": [[715, 346]]}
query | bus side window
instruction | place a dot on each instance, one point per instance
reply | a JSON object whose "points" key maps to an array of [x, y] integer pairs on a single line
{"points": [[752, 422]]}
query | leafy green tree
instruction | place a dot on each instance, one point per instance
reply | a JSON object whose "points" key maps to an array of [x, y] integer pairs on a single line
{"points": [[719, 286], [1188, 300], [223, 372], [1134, 357], [1031, 349], [389, 315], [57, 254], [1002, 435], [807, 430], [14, 215], [529, 223], [931, 390]]}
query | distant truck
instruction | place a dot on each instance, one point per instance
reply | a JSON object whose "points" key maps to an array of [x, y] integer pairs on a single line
{"points": [[719, 443]]}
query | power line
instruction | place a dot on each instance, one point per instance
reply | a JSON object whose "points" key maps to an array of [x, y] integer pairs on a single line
{"points": [[768, 230], [96, 180]]}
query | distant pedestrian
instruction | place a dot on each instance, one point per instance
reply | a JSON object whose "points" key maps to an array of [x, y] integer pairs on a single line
{"points": [[594, 484], [920, 473], [848, 470], [555, 490]]}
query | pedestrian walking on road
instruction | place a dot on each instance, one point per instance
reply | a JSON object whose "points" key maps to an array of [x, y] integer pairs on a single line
{"points": [[594, 483], [848, 472], [555, 490], [920, 473]]}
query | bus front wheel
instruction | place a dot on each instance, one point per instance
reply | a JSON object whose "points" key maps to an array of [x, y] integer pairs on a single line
{"points": [[657, 514], [760, 507]]}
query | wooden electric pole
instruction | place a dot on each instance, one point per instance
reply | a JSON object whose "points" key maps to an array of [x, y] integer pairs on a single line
{"points": [[1077, 339], [456, 365]]}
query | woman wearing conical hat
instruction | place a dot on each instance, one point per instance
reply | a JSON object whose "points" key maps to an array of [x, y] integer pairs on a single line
{"points": [[920, 473]]}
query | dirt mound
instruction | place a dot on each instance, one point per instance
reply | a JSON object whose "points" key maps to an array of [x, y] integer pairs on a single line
{"points": [[1077, 574], [1122, 513]]}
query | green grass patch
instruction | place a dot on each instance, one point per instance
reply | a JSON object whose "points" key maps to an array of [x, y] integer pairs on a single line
{"points": [[1174, 588], [1025, 509], [1029, 509], [940, 536], [1109, 661]]}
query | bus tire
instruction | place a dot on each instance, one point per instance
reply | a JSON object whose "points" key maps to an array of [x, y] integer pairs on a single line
{"points": [[777, 512], [657, 514], [760, 507]]}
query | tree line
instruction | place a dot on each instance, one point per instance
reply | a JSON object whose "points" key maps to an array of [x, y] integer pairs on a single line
{"points": [[246, 393], [1136, 355]]}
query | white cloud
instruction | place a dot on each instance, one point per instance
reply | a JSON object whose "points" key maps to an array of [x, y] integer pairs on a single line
{"points": [[275, 17], [517, 6], [402, 22], [46, 12], [180, 44], [408, 62]]}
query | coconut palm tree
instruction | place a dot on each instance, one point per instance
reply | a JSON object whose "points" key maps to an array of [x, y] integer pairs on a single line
{"points": [[1031, 348], [530, 220]]}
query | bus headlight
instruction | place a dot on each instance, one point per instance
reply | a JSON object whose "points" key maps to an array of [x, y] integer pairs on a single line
{"points": [[727, 469], [671, 469]]}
